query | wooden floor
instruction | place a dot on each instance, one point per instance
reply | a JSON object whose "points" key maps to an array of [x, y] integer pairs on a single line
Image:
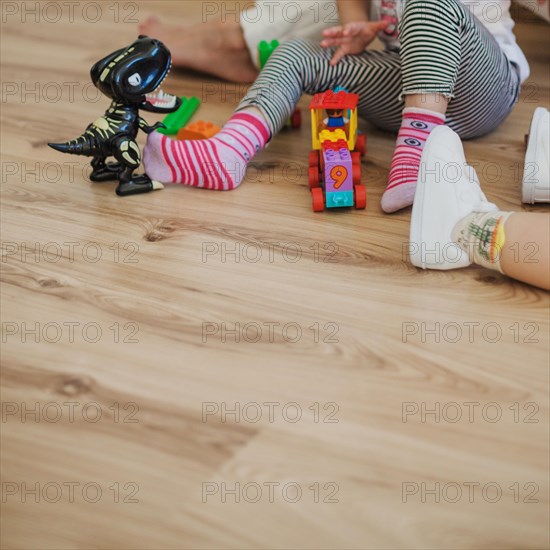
{"points": [[133, 370]]}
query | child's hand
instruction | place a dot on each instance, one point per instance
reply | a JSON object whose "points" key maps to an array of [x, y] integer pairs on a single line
{"points": [[352, 38]]}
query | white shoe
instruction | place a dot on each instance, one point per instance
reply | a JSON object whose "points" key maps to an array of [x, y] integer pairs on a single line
{"points": [[536, 176], [447, 191]]}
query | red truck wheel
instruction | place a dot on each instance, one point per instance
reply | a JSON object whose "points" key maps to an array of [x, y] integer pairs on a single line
{"points": [[296, 119], [314, 158], [360, 197], [314, 180], [356, 164], [318, 199], [361, 144], [356, 173]]}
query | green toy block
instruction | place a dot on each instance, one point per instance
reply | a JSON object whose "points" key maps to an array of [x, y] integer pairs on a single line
{"points": [[265, 50], [174, 122], [339, 200]]}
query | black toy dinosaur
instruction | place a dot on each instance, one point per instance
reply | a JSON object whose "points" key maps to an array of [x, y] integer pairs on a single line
{"points": [[131, 77]]}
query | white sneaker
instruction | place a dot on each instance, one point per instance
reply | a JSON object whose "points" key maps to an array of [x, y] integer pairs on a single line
{"points": [[536, 176], [447, 191]]}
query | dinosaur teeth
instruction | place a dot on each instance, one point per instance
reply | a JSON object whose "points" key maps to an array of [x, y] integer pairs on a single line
{"points": [[160, 98]]}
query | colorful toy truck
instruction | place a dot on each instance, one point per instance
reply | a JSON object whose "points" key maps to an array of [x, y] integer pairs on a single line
{"points": [[335, 162]]}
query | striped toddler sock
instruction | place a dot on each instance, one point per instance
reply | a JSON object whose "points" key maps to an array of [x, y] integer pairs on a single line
{"points": [[217, 163], [416, 127]]}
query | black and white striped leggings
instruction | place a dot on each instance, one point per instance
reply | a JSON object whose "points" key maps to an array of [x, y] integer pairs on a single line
{"points": [[444, 49]]}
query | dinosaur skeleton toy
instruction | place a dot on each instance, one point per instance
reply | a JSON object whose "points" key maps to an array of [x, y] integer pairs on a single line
{"points": [[131, 77]]}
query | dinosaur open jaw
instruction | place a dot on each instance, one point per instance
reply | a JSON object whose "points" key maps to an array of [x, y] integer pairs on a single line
{"points": [[160, 101]]}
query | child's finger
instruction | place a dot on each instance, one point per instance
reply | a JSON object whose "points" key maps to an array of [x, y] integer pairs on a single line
{"points": [[338, 56], [381, 25], [333, 31], [350, 32], [352, 29], [333, 42]]}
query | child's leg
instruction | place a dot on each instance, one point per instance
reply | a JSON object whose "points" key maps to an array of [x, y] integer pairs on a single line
{"points": [[529, 234], [454, 225], [214, 47], [450, 64], [303, 67], [296, 67], [218, 163], [514, 243], [225, 43]]}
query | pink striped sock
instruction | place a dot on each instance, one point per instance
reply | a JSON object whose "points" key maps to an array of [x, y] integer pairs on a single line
{"points": [[217, 163], [416, 127]]}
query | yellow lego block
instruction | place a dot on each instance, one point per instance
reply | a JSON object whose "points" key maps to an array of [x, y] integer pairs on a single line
{"points": [[332, 135]]}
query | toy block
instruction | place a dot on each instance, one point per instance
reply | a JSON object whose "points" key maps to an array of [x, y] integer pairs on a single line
{"points": [[177, 120], [338, 168], [334, 101], [339, 200], [199, 130], [265, 49], [335, 145], [332, 136]]}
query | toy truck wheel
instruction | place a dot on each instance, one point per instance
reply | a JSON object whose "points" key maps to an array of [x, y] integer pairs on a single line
{"points": [[318, 199], [356, 163], [296, 119], [360, 197], [314, 179], [314, 158], [361, 144], [356, 174]]}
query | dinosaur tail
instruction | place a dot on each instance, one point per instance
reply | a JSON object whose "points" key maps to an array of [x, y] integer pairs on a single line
{"points": [[79, 146]]}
